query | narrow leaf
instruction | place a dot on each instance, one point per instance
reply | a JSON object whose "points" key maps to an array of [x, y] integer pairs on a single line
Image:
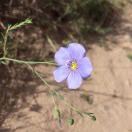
{"points": [[91, 115], [70, 121], [56, 113], [17, 25], [129, 56], [51, 43]]}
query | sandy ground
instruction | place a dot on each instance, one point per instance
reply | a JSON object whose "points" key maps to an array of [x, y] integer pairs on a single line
{"points": [[110, 88]]}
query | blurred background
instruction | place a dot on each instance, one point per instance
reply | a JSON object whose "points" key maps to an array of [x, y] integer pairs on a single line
{"points": [[104, 27]]}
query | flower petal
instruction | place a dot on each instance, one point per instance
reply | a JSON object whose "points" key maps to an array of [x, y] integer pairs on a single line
{"points": [[76, 50], [61, 73], [85, 67], [61, 56], [74, 80]]}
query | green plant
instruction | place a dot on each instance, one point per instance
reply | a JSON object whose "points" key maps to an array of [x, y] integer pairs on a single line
{"points": [[6, 60]]}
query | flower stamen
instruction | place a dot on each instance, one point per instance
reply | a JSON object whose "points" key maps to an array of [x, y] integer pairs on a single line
{"points": [[73, 65]]}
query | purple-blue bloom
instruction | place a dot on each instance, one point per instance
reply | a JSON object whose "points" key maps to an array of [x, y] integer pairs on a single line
{"points": [[73, 64]]}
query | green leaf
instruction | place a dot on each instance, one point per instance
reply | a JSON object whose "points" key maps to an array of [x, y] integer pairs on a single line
{"points": [[61, 97], [70, 121], [87, 98], [17, 25], [93, 118], [78, 112], [56, 113], [54, 93], [129, 56], [91, 115]]}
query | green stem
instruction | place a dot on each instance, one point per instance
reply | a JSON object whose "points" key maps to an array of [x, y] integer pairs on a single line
{"points": [[44, 81], [27, 62], [5, 42]]}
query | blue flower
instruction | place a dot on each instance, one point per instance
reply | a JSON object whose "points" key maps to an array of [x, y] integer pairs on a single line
{"points": [[73, 65]]}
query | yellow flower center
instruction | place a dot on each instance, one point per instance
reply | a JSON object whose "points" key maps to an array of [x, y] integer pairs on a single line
{"points": [[73, 65]]}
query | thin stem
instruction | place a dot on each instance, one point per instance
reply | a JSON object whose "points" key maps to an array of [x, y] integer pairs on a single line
{"points": [[27, 62], [5, 41], [45, 84], [44, 81], [68, 104]]}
